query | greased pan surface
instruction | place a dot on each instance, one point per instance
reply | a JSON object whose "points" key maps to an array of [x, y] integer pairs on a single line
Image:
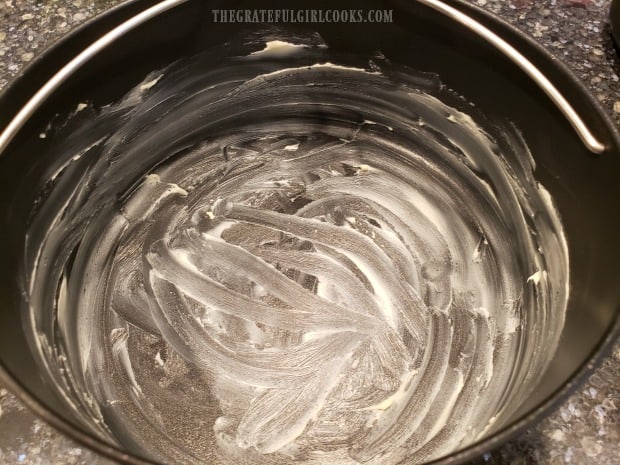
{"points": [[463, 63]]}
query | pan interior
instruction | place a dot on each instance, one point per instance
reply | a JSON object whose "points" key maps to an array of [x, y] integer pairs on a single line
{"points": [[247, 259]]}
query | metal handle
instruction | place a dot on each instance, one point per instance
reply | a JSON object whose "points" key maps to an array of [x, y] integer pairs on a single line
{"points": [[586, 136], [590, 141]]}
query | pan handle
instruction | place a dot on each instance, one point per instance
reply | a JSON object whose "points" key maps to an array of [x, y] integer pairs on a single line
{"points": [[589, 140], [586, 136]]}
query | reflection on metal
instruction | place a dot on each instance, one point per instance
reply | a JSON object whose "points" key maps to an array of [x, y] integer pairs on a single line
{"points": [[590, 141], [75, 64]]}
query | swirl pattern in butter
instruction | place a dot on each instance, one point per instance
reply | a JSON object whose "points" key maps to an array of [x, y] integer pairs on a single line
{"points": [[260, 262]]}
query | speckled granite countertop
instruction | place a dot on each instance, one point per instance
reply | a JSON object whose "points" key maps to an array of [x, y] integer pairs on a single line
{"points": [[584, 430]]}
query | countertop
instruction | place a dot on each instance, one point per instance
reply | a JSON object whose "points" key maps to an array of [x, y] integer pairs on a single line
{"points": [[583, 430]]}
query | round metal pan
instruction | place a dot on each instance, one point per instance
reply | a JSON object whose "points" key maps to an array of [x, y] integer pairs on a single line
{"points": [[575, 145]]}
